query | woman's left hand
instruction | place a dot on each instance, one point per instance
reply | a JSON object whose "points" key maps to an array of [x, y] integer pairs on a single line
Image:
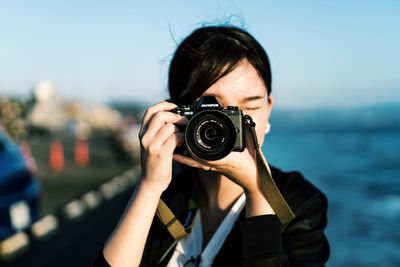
{"points": [[239, 167]]}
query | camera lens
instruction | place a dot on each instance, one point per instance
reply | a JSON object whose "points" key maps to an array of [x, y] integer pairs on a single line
{"points": [[210, 135]]}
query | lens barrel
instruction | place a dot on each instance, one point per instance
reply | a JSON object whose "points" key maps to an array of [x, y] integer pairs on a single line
{"points": [[210, 135]]}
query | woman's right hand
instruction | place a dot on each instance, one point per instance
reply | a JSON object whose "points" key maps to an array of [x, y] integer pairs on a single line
{"points": [[159, 137]]}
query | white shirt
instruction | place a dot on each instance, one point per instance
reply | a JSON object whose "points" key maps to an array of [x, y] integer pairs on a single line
{"points": [[191, 245]]}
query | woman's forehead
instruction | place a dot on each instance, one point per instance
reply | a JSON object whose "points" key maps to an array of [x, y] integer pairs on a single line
{"points": [[242, 83]]}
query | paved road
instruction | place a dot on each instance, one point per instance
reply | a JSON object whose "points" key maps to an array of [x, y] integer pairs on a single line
{"points": [[60, 187]]}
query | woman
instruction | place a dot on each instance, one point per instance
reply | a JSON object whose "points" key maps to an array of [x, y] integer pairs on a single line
{"points": [[234, 224]]}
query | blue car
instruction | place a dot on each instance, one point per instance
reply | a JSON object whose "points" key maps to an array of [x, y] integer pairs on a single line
{"points": [[19, 189]]}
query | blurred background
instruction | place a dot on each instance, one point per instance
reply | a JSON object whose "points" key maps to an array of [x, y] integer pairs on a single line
{"points": [[76, 76]]}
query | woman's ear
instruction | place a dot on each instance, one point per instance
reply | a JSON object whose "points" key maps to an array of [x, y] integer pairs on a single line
{"points": [[271, 102]]}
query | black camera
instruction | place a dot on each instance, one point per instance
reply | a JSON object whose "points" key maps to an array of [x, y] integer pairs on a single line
{"points": [[212, 131]]}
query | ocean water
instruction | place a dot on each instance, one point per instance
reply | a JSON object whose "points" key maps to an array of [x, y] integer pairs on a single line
{"points": [[354, 158]]}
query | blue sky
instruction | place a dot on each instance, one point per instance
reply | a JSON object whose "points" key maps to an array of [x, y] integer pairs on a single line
{"points": [[323, 53]]}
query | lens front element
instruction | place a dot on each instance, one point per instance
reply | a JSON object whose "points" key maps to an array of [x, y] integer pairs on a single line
{"points": [[210, 135]]}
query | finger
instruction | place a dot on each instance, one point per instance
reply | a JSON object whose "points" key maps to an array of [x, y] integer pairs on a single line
{"points": [[176, 139], [161, 106], [160, 119], [162, 135], [191, 162]]}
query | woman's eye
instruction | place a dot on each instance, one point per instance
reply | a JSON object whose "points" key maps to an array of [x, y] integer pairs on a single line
{"points": [[250, 109]]}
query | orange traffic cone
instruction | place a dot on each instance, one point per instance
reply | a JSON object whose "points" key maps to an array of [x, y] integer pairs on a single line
{"points": [[56, 158], [81, 153]]}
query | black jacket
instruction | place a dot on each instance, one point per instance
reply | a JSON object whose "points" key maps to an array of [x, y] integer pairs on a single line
{"points": [[256, 241]]}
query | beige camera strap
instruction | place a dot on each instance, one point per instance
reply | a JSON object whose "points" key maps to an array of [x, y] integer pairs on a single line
{"points": [[268, 186], [167, 217], [174, 226], [270, 190]]}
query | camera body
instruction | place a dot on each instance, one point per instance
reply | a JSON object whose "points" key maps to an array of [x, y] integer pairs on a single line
{"points": [[212, 131]]}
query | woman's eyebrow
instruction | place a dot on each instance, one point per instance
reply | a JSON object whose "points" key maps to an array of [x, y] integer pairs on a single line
{"points": [[252, 98]]}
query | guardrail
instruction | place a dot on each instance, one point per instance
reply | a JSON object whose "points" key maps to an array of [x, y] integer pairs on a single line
{"points": [[48, 226]]}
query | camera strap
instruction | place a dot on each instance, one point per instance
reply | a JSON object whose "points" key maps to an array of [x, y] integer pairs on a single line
{"points": [[268, 186], [174, 226]]}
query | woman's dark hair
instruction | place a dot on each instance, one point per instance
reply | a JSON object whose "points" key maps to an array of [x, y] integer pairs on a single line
{"points": [[210, 53]]}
